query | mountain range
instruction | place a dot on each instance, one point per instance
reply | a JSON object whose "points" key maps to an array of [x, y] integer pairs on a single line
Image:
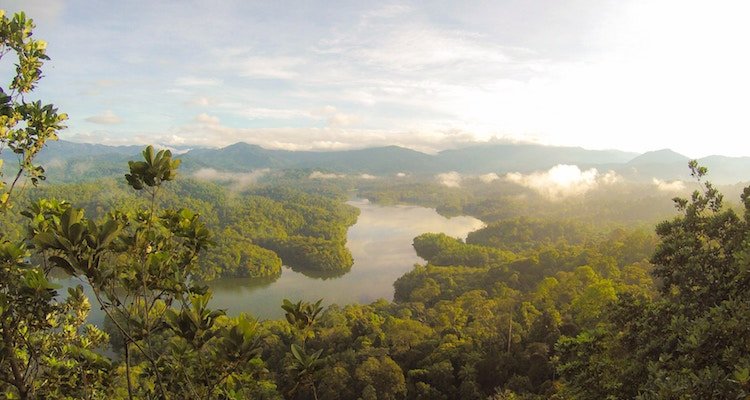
{"points": [[82, 160]]}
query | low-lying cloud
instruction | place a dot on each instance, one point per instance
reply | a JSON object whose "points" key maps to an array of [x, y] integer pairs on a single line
{"points": [[455, 179], [450, 179], [563, 180], [610, 178], [488, 178], [237, 180], [324, 175], [671, 186]]}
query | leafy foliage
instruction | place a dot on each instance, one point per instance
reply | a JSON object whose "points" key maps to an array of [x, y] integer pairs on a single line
{"points": [[25, 126], [688, 342], [46, 350]]}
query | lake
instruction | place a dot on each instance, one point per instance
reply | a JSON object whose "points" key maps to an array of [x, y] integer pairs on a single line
{"points": [[380, 243]]}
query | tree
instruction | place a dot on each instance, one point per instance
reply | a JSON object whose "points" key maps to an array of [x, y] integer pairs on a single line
{"points": [[25, 126], [384, 376], [302, 318], [139, 266], [141, 269], [46, 349], [690, 342]]}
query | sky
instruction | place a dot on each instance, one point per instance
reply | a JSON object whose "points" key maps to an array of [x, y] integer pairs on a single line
{"points": [[601, 74]]}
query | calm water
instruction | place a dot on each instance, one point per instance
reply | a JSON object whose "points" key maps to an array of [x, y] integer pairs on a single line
{"points": [[380, 242]]}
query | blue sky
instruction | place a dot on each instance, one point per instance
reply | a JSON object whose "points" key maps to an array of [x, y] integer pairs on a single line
{"points": [[631, 75]]}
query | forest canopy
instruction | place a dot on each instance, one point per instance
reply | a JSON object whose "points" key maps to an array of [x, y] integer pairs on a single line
{"points": [[536, 305]]}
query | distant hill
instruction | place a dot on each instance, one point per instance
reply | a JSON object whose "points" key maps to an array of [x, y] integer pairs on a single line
{"points": [[722, 169], [66, 161], [666, 164], [525, 157], [663, 156], [63, 150], [393, 159], [377, 160], [69, 161], [662, 164]]}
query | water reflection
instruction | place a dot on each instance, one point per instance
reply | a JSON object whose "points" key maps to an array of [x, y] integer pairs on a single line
{"points": [[380, 243], [237, 285], [321, 275]]}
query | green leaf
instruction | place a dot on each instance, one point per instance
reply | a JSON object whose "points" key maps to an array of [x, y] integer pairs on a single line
{"points": [[63, 264], [742, 375], [296, 352], [47, 240], [108, 232]]}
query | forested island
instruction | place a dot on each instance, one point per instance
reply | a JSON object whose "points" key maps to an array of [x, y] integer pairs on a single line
{"points": [[617, 293]]}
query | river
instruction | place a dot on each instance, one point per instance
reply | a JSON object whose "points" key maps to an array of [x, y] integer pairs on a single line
{"points": [[380, 243]]}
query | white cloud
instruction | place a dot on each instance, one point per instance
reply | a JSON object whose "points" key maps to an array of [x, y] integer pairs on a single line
{"points": [[161, 146], [563, 180], [367, 176], [449, 179], [669, 186], [106, 118], [271, 67], [563, 76], [336, 118], [487, 178], [201, 101], [341, 120], [195, 81], [259, 113], [416, 47], [610, 178], [202, 131], [238, 180], [323, 175], [388, 11], [242, 62], [204, 118], [401, 175]]}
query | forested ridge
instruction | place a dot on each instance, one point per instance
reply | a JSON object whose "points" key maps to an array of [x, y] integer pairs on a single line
{"points": [[536, 305]]}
